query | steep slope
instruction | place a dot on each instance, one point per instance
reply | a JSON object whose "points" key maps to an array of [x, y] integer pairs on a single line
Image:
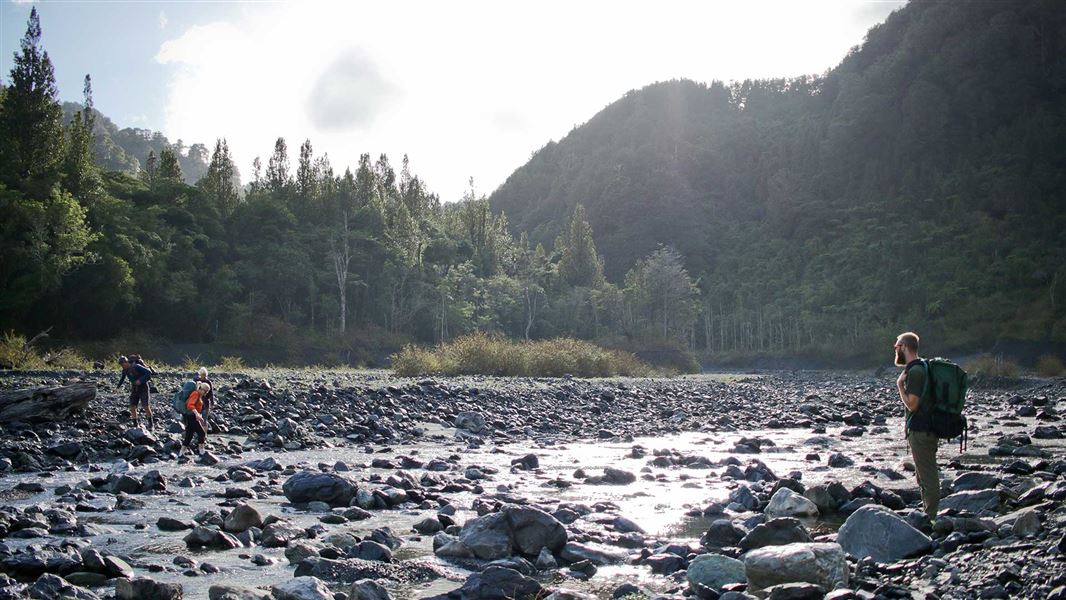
{"points": [[125, 149], [919, 183]]}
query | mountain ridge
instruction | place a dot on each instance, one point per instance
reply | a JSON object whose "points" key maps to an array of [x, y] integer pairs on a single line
{"points": [[916, 182]]}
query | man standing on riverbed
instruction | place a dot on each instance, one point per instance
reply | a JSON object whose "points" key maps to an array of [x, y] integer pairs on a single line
{"points": [[139, 394], [919, 426]]}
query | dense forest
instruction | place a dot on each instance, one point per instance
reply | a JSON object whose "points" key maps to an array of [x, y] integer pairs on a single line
{"points": [[919, 184], [916, 185], [331, 265]]}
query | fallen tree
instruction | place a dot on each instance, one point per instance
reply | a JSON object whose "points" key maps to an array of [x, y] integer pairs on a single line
{"points": [[45, 403]]}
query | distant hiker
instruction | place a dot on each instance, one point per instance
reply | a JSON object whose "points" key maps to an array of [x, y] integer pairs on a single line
{"points": [[189, 403], [138, 374], [919, 427], [209, 398]]}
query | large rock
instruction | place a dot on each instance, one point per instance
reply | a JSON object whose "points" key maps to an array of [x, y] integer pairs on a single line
{"points": [[976, 501], [309, 486], [473, 422], [206, 537], [487, 537], [714, 571], [975, 480], [722, 533], [499, 583], [597, 555], [775, 532], [821, 564], [515, 529], [787, 503], [302, 588], [143, 588], [242, 518], [236, 592], [533, 529], [881, 534], [368, 589]]}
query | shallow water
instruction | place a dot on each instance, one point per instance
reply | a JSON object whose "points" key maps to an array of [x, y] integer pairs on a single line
{"points": [[658, 503]]}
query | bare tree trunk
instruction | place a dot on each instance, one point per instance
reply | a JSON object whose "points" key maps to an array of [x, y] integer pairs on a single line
{"points": [[341, 253]]}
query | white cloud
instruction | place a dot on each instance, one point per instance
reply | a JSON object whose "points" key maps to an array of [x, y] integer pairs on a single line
{"points": [[163, 20], [470, 88]]}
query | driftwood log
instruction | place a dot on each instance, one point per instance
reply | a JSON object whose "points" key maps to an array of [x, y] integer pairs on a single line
{"points": [[45, 403]]}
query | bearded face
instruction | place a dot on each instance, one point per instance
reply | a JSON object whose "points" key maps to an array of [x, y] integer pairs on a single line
{"points": [[901, 361]]}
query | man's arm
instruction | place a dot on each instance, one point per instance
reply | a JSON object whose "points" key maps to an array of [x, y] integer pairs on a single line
{"points": [[909, 400], [121, 379]]}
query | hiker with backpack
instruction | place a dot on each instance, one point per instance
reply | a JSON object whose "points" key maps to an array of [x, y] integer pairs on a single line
{"points": [[138, 373], [209, 398], [188, 402], [933, 392]]}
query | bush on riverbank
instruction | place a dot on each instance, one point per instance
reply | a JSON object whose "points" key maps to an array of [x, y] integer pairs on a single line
{"points": [[16, 352], [482, 354]]}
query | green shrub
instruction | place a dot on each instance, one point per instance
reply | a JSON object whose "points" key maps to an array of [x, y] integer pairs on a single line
{"points": [[230, 364], [987, 365], [16, 352], [483, 354], [1050, 365], [191, 364]]}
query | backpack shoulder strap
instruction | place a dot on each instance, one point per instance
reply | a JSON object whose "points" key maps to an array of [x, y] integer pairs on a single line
{"points": [[928, 376]]}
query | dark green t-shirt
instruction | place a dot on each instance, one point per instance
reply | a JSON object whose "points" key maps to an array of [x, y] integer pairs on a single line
{"points": [[918, 420]]}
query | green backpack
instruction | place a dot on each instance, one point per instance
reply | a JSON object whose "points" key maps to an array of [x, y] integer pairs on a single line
{"points": [[181, 396], [945, 385]]}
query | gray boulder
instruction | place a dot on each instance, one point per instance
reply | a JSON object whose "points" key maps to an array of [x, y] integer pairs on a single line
{"points": [[143, 588], [597, 555], [975, 480], [308, 486], [302, 588], [881, 534], [242, 518], [787, 503], [714, 571], [775, 532], [976, 501], [722, 533], [515, 529], [487, 537], [821, 564], [368, 589], [499, 583], [533, 529], [236, 592], [819, 494], [470, 421]]}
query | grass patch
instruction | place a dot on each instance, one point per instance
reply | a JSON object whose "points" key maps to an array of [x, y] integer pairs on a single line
{"points": [[482, 354], [987, 365], [1050, 365]]}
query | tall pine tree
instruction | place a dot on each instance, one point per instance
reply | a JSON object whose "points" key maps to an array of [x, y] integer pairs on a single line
{"points": [[31, 130]]}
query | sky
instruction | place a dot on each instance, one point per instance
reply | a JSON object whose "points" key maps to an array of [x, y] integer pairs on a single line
{"points": [[467, 89]]}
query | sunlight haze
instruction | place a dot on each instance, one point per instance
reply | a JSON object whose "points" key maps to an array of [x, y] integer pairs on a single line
{"points": [[466, 89]]}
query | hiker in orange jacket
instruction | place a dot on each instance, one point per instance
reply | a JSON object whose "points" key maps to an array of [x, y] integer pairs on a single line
{"points": [[193, 418]]}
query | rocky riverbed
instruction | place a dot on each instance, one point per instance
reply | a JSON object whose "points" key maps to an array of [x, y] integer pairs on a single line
{"points": [[361, 486]]}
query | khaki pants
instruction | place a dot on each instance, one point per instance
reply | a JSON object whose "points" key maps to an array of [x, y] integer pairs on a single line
{"points": [[923, 450]]}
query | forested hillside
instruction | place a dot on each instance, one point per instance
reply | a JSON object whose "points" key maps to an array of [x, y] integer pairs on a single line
{"points": [[125, 149], [919, 184]]}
